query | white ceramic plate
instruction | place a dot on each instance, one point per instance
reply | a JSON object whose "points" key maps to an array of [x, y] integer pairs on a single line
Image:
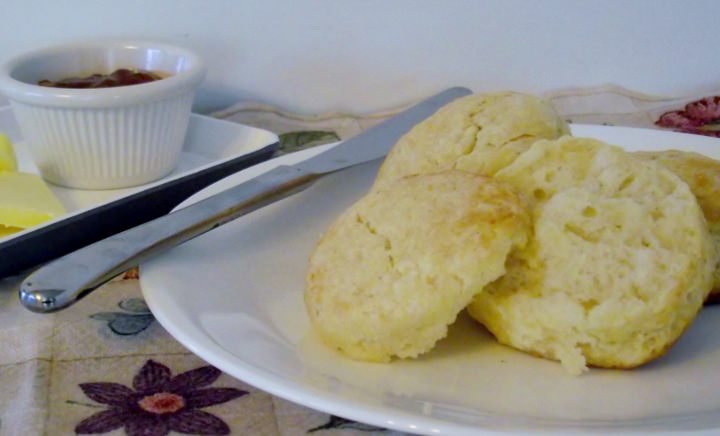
{"points": [[234, 297]]}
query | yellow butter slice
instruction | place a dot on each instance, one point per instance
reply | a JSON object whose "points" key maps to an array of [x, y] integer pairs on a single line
{"points": [[26, 201], [8, 161], [7, 231]]}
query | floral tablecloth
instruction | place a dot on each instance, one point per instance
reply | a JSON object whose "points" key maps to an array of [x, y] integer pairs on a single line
{"points": [[106, 366]]}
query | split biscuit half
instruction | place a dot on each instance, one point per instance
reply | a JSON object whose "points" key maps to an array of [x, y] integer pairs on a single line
{"points": [[480, 134], [396, 268], [619, 264]]}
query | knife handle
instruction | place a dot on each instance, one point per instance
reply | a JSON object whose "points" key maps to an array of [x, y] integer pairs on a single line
{"points": [[52, 241], [71, 277]]}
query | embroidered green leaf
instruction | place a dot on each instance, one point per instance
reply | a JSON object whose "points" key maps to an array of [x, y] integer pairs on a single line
{"points": [[135, 318], [135, 305], [301, 140], [130, 324], [338, 423], [106, 316]]}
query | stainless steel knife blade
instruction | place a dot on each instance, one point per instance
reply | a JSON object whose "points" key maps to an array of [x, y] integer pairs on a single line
{"points": [[376, 142], [69, 278]]}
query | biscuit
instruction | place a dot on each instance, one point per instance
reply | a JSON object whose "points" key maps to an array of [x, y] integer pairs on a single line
{"points": [[480, 133], [395, 269], [702, 174], [619, 264]]}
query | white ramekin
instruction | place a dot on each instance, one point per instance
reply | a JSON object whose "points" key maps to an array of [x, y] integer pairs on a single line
{"points": [[103, 138]]}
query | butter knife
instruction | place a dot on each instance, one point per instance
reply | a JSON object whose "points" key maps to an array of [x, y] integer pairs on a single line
{"points": [[32, 249], [69, 278]]}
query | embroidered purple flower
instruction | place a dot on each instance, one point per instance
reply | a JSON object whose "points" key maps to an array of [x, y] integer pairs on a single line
{"points": [[159, 403], [701, 117]]}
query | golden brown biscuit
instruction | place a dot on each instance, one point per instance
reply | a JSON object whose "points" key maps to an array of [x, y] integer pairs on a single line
{"points": [[480, 133], [702, 174], [619, 265], [396, 268]]}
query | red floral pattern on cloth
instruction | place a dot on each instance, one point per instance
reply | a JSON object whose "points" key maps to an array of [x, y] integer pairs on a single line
{"points": [[159, 403], [701, 117]]}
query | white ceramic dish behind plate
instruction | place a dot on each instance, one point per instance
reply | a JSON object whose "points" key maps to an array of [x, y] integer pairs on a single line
{"points": [[208, 141], [234, 297], [103, 138]]}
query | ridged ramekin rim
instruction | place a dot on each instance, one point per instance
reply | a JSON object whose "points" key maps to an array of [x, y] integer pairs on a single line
{"points": [[26, 93]]}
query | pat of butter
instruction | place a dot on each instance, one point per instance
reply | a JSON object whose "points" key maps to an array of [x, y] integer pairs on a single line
{"points": [[8, 162], [7, 231], [26, 201]]}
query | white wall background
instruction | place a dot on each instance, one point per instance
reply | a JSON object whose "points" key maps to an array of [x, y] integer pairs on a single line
{"points": [[365, 55]]}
